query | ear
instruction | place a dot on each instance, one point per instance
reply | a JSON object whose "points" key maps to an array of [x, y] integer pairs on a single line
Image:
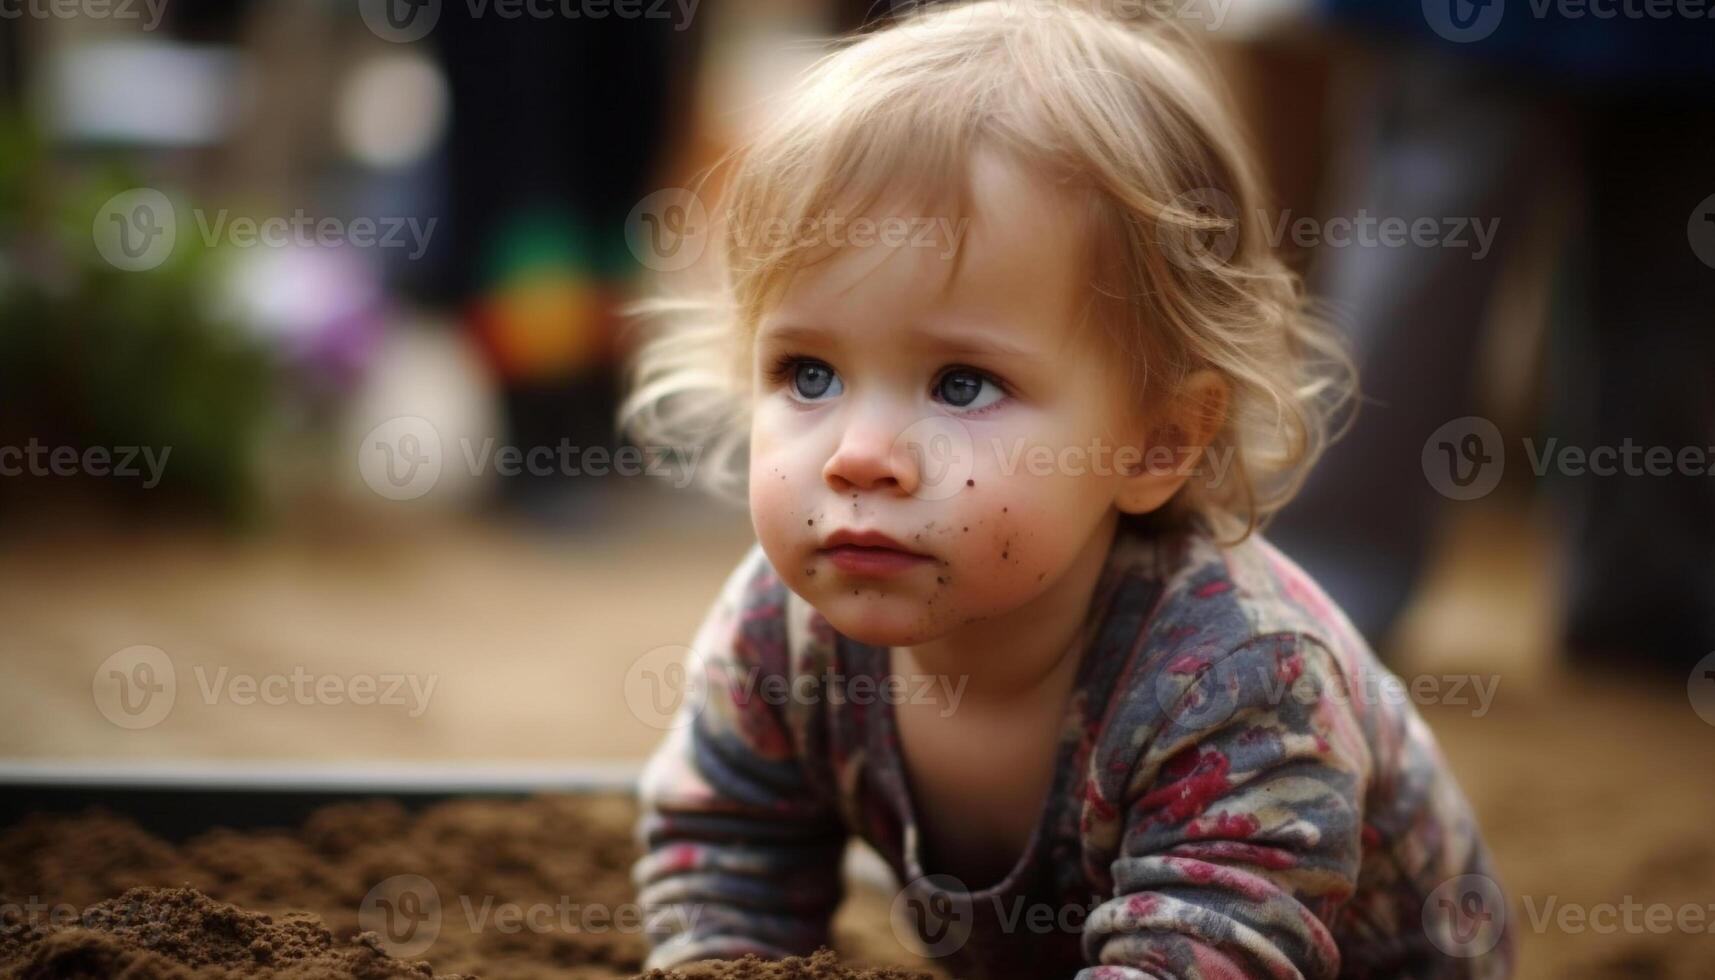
{"points": [[1172, 448]]}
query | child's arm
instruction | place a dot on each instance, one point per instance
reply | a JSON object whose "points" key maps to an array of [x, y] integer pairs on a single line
{"points": [[743, 854], [1241, 827]]}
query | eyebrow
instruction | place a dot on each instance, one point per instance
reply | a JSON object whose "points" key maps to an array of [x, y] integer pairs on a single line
{"points": [[939, 341]]}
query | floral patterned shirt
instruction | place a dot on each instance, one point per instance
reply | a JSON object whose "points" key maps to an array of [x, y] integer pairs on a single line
{"points": [[1241, 790]]}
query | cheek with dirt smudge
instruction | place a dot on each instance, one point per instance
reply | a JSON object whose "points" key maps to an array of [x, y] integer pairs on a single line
{"points": [[990, 563]]}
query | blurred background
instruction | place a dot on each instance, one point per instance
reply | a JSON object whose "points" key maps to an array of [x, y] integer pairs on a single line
{"points": [[309, 356]]}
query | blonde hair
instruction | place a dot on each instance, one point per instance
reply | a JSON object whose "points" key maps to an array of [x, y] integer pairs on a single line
{"points": [[1127, 112]]}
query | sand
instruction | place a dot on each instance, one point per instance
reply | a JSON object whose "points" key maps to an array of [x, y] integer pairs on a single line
{"points": [[365, 890]]}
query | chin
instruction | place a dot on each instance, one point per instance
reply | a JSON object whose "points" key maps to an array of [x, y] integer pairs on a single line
{"points": [[878, 620]]}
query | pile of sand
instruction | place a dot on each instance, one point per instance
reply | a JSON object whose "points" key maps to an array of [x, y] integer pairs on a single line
{"points": [[94, 895], [180, 933]]}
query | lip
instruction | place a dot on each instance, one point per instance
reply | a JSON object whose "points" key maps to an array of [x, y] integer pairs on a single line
{"points": [[869, 553]]}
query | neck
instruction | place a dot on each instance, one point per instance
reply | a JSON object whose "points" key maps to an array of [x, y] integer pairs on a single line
{"points": [[1037, 637]]}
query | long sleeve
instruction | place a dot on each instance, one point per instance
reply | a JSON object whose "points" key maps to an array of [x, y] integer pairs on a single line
{"points": [[742, 853], [1242, 823]]}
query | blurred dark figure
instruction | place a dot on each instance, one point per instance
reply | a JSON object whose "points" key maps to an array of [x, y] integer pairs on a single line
{"points": [[1481, 103], [558, 127]]}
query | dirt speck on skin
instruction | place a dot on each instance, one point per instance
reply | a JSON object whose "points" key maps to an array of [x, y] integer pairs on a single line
{"points": [[93, 895]]}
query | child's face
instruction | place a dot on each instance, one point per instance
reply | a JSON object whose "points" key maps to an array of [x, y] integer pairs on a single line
{"points": [[866, 346]]}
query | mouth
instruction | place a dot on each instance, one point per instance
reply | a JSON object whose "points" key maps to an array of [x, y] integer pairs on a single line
{"points": [[869, 553]]}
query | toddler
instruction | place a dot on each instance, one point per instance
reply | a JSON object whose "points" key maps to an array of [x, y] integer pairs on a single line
{"points": [[1016, 378]]}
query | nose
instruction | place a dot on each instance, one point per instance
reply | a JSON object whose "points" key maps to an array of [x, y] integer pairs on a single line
{"points": [[870, 457]]}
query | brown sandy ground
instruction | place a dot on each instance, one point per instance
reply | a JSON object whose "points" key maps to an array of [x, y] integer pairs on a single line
{"points": [[93, 895]]}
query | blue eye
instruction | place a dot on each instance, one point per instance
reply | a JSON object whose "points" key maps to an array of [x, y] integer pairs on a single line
{"points": [[967, 389], [813, 380]]}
